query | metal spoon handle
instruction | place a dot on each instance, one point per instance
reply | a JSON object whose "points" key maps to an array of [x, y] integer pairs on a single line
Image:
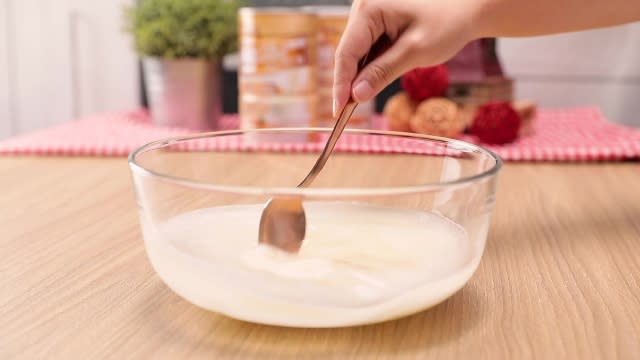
{"points": [[378, 47], [341, 123]]}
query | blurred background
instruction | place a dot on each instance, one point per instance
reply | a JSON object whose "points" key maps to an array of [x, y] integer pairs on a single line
{"points": [[61, 60]]}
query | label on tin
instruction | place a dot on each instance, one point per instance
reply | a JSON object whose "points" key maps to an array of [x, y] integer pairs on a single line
{"points": [[262, 112], [278, 112], [260, 54], [296, 81], [327, 45], [275, 21], [326, 55], [325, 78]]}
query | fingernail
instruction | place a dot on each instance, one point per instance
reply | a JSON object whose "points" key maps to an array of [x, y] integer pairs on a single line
{"points": [[334, 107], [337, 105], [362, 91]]}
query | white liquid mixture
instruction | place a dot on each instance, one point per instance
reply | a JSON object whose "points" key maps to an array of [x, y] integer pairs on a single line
{"points": [[358, 264]]}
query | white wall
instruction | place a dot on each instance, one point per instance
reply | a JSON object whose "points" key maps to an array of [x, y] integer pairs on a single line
{"points": [[5, 118], [63, 59], [105, 68], [600, 67], [40, 87]]}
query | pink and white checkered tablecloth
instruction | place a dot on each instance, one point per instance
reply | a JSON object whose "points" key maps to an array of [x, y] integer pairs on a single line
{"points": [[577, 134]]}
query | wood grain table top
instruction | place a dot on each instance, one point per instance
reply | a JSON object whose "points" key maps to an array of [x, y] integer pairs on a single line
{"points": [[560, 277]]}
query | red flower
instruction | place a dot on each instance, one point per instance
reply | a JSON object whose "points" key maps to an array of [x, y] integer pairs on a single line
{"points": [[496, 123], [426, 82]]}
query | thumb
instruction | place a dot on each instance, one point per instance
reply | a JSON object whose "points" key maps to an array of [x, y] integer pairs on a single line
{"points": [[384, 69]]}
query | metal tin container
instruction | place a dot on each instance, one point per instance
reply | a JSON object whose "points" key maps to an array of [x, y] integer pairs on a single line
{"points": [[261, 112], [277, 72]]}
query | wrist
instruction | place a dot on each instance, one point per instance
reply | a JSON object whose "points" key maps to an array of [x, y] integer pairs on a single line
{"points": [[482, 18]]}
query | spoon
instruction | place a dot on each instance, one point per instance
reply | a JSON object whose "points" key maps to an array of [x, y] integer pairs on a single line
{"points": [[283, 222]]}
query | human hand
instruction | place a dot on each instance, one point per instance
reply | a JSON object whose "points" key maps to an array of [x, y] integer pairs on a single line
{"points": [[422, 33], [429, 32]]}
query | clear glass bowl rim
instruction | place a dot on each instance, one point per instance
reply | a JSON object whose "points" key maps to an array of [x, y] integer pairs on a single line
{"points": [[324, 192]]}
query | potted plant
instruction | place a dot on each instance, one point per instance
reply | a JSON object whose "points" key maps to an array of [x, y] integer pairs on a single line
{"points": [[182, 43]]}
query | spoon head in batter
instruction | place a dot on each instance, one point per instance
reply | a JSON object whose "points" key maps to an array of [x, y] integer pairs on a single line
{"points": [[283, 224]]}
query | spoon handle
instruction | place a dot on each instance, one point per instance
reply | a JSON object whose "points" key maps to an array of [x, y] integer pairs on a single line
{"points": [[341, 123], [378, 47]]}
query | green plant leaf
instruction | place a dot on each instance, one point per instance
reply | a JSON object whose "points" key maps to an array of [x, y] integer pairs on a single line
{"points": [[183, 28]]}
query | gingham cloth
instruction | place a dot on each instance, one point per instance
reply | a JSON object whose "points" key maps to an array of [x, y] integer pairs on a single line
{"points": [[577, 134]]}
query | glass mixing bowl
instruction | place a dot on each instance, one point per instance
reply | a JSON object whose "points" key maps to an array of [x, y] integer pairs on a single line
{"points": [[396, 222]]}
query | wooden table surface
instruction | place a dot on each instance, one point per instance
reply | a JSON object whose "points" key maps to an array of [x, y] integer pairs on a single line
{"points": [[560, 277]]}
